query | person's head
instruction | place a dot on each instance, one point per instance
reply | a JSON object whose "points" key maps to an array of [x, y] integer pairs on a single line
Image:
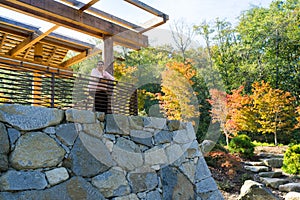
{"points": [[100, 65]]}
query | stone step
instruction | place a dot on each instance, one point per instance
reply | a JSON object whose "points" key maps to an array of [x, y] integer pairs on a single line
{"points": [[259, 163], [270, 155], [274, 182], [270, 174], [257, 169], [290, 187], [273, 162], [292, 196]]}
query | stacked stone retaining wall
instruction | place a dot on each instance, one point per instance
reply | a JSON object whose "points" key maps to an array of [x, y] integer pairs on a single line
{"points": [[56, 154]]}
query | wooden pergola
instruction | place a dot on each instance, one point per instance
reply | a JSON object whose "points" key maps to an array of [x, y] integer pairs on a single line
{"points": [[21, 42]]}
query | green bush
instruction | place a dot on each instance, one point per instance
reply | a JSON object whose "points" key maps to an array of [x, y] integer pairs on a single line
{"points": [[291, 160], [242, 145]]}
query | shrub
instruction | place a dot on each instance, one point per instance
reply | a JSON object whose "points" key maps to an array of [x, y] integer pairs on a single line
{"points": [[291, 160], [242, 145]]}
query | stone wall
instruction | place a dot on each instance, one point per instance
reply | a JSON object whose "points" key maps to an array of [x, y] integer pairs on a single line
{"points": [[55, 154]]}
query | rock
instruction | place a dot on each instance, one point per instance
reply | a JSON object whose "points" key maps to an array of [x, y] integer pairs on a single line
{"points": [[89, 156], [292, 196], [17, 180], [163, 137], [257, 168], [13, 135], [67, 133], [142, 181], [192, 149], [57, 175], [128, 197], [273, 162], [49, 130], [270, 155], [153, 195], [175, 185], [75, 188], [270, 174], [155, 156], [127, 154], [255, 163], [94, 129], [29, 118], [111, 183], [117, 124], [4, 141], [36, 150], [290, 187], [174, 125], [173, 152], [206, 185], [189, 169], [3, 162], [80, 116], [274, 182], [181, 137], [154, 122], [254, 190], [141, 137], [206, 146], [214, 195], [136, 122], [202, 171]]}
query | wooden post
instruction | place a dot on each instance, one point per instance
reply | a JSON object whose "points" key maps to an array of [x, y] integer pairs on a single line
{"points": [[108, 55], [38, 52]]}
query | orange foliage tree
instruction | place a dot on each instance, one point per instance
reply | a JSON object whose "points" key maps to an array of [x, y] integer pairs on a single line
{"points": [[177, 99]]}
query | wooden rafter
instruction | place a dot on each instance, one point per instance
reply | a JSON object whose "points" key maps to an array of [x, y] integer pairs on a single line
{"points": [[78, 58], [26, 52], [29, 41], [86, 6], [147, 8], [3, 40], [50, 11], [51, 55]]}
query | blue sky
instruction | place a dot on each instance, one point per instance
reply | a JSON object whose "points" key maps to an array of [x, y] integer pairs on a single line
{"points": [[192, 12]]}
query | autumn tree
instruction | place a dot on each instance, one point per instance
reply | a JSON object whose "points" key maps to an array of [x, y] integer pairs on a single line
{"points": [[240, 115], [177, 97], [219, 110], [274, 108]]}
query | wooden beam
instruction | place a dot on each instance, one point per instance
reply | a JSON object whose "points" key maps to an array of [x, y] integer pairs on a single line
{"points": [[108, 55], [29, 41], [86, 6], [147, 8], [51, 56], [60, 14], [3, 40], [103, 15], [78, 58]]}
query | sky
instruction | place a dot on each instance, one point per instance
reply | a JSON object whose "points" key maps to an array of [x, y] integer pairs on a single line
{"points": [[193, 12]]}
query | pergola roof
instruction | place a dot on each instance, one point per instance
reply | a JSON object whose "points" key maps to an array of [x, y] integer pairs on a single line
{"points": [[23, 42]]}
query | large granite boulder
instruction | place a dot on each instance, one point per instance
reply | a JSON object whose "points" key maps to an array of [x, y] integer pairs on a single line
{"points": [[254, 190], [36, 150], [29, 118]]}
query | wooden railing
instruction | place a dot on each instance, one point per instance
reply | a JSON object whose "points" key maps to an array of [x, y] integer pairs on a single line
{"points": [[42, 86]]}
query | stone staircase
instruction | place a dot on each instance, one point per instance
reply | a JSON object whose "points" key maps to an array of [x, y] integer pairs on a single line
{"points": [[270, 182]]}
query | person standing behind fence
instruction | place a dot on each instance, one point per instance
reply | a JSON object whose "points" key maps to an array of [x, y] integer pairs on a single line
{"points": [[99, 90]]}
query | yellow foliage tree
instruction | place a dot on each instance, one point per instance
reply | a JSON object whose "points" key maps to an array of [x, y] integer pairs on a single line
{"points": [[274, 109], [178, 100]]}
